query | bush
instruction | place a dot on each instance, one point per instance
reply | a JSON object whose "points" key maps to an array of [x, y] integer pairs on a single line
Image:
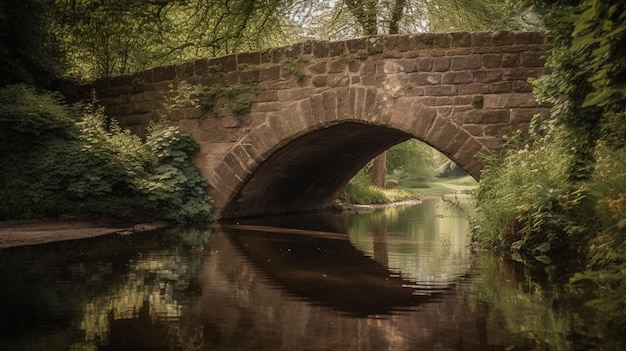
{"points": [[63, 160], [526, 202]]}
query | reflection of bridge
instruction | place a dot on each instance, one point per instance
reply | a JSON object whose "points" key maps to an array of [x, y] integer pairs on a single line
{"points": [[327, 269], [239, 303], [284, 129]]}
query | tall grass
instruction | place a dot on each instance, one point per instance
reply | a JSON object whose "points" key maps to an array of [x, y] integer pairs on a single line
{"points": [[526, 201]]}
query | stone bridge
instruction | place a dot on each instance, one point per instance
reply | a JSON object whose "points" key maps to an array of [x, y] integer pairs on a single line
{"points": [[283, 130]]}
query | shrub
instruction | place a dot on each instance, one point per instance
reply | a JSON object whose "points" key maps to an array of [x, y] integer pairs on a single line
{"points": [[526, 202], [63, 160]]}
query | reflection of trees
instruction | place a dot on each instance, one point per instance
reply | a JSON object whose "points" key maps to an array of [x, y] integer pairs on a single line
{"points": [[428, 242], [154, 286], [74, 290], [544, 317]]}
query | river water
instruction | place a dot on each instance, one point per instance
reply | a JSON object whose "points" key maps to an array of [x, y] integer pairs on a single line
{"points": [[398, 278]]}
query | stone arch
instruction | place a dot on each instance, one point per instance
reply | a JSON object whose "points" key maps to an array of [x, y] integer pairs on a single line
{"points": [[301, 159]]}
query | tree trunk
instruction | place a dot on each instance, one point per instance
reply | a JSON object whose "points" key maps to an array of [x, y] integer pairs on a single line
{"points": [[377, 171]]}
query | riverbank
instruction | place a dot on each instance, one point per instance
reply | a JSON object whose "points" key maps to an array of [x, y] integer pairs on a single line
{"points": [[35, 232]]}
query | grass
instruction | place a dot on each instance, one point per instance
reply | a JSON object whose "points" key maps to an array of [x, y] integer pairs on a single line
{"points": [[442, 186], [361, 191]]}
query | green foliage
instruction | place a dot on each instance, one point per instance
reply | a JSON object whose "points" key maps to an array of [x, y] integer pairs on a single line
{"points": [[294, 65], [105, 38], [175, 187], [349, 18], [481, 15], [240, 107], [411, 160], [62, 160], [526, 203], [200, 96], [361, 191], [561, 188]]}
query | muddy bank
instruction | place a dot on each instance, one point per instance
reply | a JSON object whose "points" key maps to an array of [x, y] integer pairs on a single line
{"points": [[18, 233]]}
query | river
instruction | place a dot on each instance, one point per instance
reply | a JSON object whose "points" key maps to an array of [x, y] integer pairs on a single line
{"points": [[398, 278]]}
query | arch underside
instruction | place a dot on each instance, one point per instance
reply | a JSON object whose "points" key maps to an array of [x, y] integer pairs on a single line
{"points": [[310, 172]]}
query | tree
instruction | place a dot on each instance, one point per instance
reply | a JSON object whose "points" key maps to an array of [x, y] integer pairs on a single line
{"points": [[343, 19], [28, 51], [112, 37]]}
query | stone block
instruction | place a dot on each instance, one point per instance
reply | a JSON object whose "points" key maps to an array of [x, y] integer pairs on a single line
{"points": [[475, 130], [532, 59], [486, 76], [269, 72], [185, 70], [524, 115], [440, 90], [474, 88], [405, 65], [498, 101], [425, 78], [338, 80], [336, 48], [319, 80], [390, 42], [423, 122], [441, 64], [460, 51], [529, 38], [294, 51], [454, 143], [522, 73], [337, 66], [502, 38], [295, 94], [484, 116], [460, 39], [249, 76], [370, 80], [458, 63], [368, 67], [375, 44], [501, 87], [510, 60], [321, 49], [492, 60], [317, 67], [329, 100], [231, 78], [269, 106], [481, 39], [521, 86], [248, 58], [443, 101], [356, 45], [459, 77], [469, 149]]}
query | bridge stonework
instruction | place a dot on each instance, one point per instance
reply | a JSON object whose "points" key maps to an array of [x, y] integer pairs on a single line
{"points": [[283, 130]]}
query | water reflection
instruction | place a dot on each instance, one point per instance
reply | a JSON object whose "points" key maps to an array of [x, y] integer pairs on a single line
{"points": [[70, 295], [427, 243], [233, 289], [328, 270]]}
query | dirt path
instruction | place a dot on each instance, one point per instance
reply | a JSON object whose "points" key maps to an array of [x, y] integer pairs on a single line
{"points": [[39, 232]]}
